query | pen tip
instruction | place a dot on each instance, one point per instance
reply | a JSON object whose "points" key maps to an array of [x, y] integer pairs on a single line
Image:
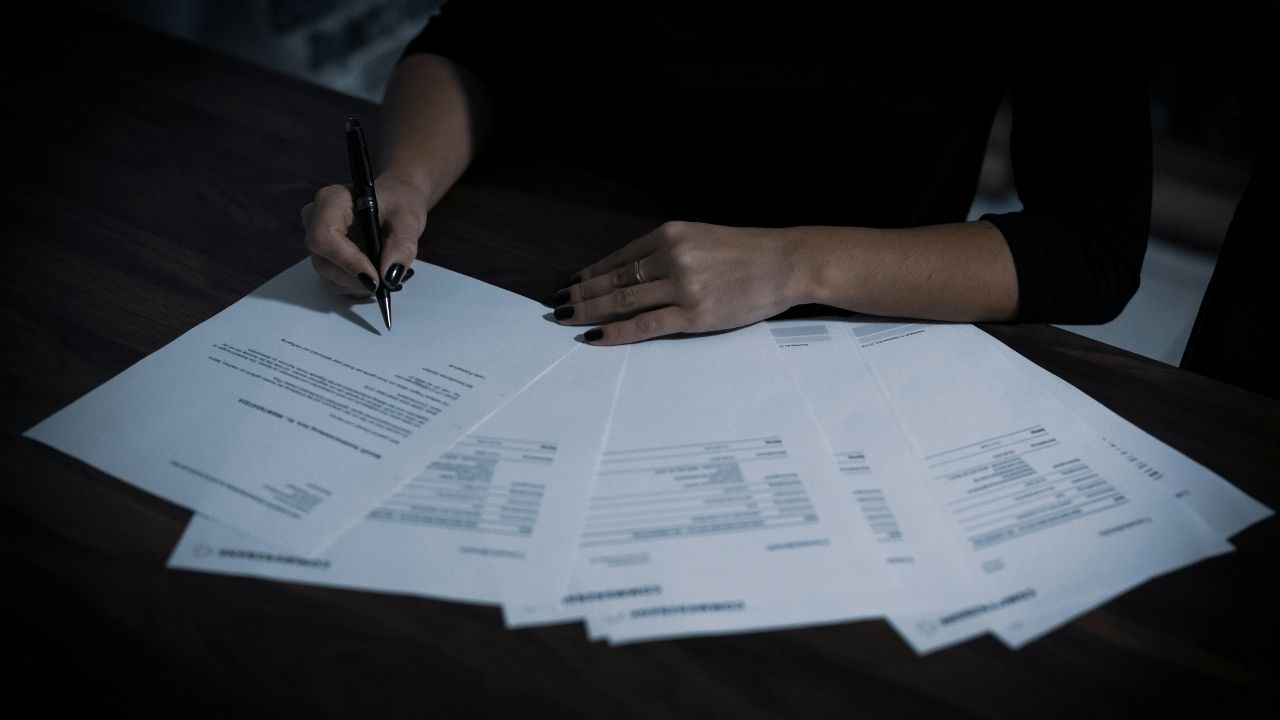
{"points": [[384, 304]]}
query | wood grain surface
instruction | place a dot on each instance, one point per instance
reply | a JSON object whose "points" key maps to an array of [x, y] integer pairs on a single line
{"points": [[155, 183]]}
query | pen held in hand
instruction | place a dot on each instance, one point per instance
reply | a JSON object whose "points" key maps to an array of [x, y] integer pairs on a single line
{"points": [[366, 209]]}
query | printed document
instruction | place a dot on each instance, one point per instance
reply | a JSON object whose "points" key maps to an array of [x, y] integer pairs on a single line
{"points": [[495, 517], [1042, 506], [1225, 508], [290, 414], [877, 469], [876, 461], [715, 496]]}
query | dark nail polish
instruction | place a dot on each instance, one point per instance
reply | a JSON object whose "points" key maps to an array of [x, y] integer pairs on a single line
{"points": [[397, 288], [564, 313], [561, 297], [394, 275], [408, 274], [367, 282], [593, 334], [575, 278]]}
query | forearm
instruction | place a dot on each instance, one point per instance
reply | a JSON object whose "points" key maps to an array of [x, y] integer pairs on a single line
{"points": [[435, 117], [961, 272]]}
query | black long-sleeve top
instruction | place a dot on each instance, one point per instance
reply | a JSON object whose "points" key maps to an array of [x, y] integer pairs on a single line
{"points": [[799, 113]]}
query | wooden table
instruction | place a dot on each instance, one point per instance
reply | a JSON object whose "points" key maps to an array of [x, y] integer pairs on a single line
{"points": [[158, 183]]}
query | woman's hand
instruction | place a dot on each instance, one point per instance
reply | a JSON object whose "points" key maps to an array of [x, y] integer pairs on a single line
{"points": [[682, 278], [340, 261]]}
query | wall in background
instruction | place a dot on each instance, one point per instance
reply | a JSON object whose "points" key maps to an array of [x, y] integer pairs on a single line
{"points": [[348, 45]]}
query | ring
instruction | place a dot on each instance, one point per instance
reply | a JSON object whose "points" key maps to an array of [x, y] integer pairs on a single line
{"points": [[639, 275]]}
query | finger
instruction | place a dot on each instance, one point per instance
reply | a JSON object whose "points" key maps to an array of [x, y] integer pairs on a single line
{"points": [[620, 277], [663, 321], [621, 302], [326, 234], [407, 274], [339, 281], [632, 251], [400, 246]]}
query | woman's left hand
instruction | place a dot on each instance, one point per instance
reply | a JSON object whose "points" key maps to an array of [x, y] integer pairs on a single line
{"points": [[683, 278]]}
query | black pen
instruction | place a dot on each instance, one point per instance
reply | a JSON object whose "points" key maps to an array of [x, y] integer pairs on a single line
{"points": [[367, 209]]}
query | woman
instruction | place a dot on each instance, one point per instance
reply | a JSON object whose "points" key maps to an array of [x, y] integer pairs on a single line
{"points": [[816, 154]]}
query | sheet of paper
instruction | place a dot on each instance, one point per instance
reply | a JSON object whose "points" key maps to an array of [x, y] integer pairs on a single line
{"points": [[715, 497], [1225, 508], [877, 462], [495, 517], [877, 469], [289, 415], [1042, 506]]}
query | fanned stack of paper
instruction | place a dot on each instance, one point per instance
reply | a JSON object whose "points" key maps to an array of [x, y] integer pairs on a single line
{"points": [[789, 473]]}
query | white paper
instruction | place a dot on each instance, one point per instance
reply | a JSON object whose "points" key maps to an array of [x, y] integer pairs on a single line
{"points": [[877, 462], [494, 518], [1043, 507], [715, 497], [290, 415], [1224, 507], [877, 469]]}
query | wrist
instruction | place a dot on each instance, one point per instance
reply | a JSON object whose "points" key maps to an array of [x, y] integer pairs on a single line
{"points": [[813, 268]]}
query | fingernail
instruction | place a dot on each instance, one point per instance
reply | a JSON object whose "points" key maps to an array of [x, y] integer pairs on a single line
{"points": [[408, 274], [561, 297], [593, 334], [575, 278], [367, 282], [564, 313], [395, 274]]}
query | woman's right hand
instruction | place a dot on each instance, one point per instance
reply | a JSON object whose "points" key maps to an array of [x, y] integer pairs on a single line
{"points": [[340, 261]]}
